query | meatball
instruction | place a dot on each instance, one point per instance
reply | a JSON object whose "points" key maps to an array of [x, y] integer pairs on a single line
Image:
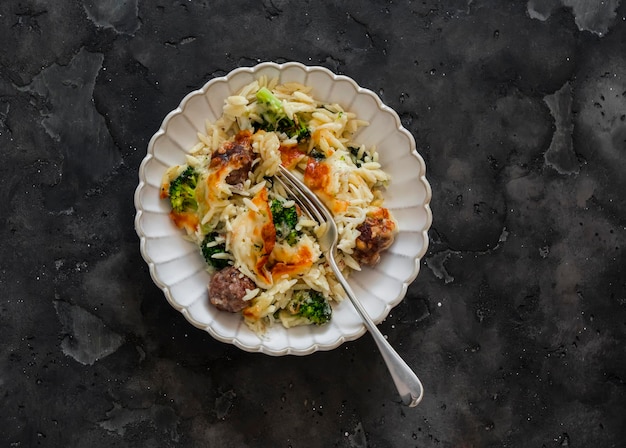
{"points": [[228, 288], [237, 156], [377, 234]]}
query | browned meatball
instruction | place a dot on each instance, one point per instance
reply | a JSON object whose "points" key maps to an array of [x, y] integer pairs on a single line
{"points": [[377, 234], [237, 156], [227, 289]]}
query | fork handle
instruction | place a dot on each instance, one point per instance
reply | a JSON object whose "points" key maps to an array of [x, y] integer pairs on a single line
{"points": [[408, 384]]}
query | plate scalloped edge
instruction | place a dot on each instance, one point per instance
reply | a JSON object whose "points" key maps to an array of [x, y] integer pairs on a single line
{"points": [[261, 346]]}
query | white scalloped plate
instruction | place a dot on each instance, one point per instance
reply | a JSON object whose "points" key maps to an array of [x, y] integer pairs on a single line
{"points": [[177, 267]]}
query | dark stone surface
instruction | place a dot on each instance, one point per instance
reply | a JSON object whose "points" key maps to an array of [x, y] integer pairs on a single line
{"points": [[516, 323]]}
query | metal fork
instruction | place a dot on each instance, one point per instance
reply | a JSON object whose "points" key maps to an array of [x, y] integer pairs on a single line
{"points": [[406, 381]]}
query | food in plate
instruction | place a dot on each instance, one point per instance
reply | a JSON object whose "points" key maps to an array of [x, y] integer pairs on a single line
{"points": [[260, 247]]}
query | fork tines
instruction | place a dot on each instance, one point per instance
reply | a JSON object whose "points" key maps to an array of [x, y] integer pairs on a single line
{"points": [[305, 198]]}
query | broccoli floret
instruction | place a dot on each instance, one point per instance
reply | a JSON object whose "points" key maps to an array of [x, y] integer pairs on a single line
{"points": [[275, 118], [265, 96], [312, 305], [285, 220], [317, 154], [292, 237], [354, 155], [182, 191], [302, 132], [209, 248]]}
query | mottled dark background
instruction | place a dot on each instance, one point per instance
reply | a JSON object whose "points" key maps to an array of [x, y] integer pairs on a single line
{"points": [[516, 323]]}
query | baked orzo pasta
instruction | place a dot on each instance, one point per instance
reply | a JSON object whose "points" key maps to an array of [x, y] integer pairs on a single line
{"points": [[261, 250]]}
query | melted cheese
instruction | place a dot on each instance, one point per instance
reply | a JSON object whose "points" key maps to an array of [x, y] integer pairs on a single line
{"points": [[185, 220], [318, 177], [291, 261], [253, 238], [290, 155], [214, 183]]}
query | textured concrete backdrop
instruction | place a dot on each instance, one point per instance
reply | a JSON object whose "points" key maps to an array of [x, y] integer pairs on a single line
{"points": [[516, 323]]}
